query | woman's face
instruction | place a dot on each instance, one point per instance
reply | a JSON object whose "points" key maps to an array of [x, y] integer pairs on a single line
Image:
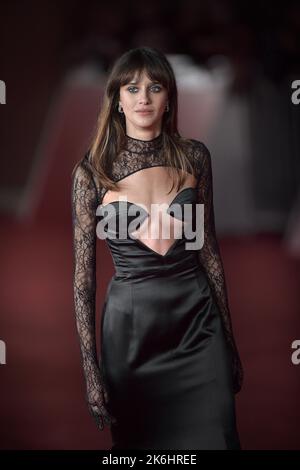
{"points": [[143, 103]]}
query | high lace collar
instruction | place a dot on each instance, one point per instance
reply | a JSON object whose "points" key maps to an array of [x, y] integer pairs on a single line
{"points": [[143, 146]]}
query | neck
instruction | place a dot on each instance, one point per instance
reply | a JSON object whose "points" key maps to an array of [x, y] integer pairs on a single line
{"points": [[144, 134], [140, 144]]}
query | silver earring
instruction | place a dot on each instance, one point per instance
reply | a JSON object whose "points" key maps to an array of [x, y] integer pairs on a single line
{"points": [[167, 107], [120, 109]]}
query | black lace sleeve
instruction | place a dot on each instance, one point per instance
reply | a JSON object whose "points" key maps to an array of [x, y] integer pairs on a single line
{"points": [[84, 204], [211, 261]]}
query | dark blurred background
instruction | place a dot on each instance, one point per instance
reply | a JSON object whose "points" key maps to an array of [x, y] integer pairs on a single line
{"points": [[235, 63]]}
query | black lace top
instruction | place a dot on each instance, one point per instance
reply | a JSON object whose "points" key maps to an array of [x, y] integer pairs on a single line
{"points": [[87, 195]]}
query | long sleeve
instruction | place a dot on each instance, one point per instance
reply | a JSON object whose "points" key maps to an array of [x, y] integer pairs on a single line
{"points": [[84, 205], [211, 261]]}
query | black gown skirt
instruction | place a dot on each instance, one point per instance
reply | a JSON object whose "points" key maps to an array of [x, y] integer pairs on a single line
{"points": [[164, 356]]}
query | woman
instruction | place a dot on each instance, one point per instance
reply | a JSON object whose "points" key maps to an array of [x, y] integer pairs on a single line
{"points": [[169, 367]]}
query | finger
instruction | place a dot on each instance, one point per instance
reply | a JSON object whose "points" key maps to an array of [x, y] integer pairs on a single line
{"points": [[101, 415], [98, 419], [97, 415], [100, 424], [107, 416]]}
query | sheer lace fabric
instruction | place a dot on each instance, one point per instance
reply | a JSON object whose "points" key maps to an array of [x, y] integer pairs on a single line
{"points": [[84, 204], [210, 259], [86, 196], [138, 155]]}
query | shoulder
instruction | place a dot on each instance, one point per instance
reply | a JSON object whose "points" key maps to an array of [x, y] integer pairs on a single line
{"points": [[82, 175], [199, 148], [199, 153]]}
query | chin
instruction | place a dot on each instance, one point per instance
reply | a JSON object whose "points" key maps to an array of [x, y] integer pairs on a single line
{"points": [[146, 123]]}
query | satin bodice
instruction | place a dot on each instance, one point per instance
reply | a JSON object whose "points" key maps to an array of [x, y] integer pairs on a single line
{"points": [[131, 256]]}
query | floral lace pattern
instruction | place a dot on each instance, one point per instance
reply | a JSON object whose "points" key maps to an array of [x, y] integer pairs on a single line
{"points": [[210, 259], [84, 204]]}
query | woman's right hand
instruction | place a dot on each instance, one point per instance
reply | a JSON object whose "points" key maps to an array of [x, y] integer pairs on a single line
{"points": [[100, 413], [97, 397]]}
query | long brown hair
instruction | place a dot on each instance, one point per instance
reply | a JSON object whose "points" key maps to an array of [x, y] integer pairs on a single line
{"points": [[110, 132]]}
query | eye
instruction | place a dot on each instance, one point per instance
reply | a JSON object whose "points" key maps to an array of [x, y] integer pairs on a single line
{"points": [[156, 88], [130, 88]]}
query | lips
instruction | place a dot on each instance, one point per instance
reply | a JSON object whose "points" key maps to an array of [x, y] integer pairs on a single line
{"points": [[144, 111]]}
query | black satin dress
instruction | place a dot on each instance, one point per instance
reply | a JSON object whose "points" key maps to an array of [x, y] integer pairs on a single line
{"points": [[164, 355]]}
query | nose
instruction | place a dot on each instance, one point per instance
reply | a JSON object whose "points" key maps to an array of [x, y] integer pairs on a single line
{"points": [[143, 98]]}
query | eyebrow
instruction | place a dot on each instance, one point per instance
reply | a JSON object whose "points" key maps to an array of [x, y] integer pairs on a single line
{"points": [[134, 82]]}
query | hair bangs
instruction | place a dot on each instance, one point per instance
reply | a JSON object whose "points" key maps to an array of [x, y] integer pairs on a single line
{"points": [[136, 64]]}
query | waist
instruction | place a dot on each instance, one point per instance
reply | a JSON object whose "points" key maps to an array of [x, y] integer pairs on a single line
{"points": [[156, 266]]}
